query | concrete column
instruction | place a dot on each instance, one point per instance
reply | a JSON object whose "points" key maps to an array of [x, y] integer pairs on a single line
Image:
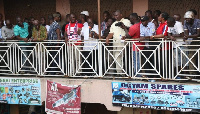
{"points": [[140, 6], [2, 8], [63, 6]]}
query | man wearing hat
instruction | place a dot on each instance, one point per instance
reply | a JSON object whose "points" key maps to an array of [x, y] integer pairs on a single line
{"points": [[147, 29], [192, 30]]}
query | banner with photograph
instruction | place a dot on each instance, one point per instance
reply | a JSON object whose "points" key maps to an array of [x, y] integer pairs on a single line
{"points": [[63, 99], [171, 97], [20, 91]]}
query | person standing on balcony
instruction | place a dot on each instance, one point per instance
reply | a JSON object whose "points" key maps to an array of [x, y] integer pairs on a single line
{"points": [[30, 27], [21, 33], [72, 35], [90, 35], [7, 31], [134, 33], [176, 33], [147, 29], [150, 16], [116, 32], [156, 14], [67, 20], [43, 23], [54, 35], [192, 31], [106, 15], [161, 32]]}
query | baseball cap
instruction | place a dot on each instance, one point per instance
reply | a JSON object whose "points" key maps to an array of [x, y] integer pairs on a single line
{"points": [[85, 13], [189, 14], [144, 18]]}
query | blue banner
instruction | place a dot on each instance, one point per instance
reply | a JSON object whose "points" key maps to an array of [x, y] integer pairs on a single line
{"points": [[20, 91], [156, 96]]}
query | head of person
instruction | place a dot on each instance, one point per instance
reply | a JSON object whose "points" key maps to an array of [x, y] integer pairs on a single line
{"points": [[106, 15], [83, 18], [148, 13], [50, 19], [134, 18], [67, 18], [56, 17], [72, 18], [90, 22], [43, 21], [109, 21], [36, 24], [59, 16], [171, 22], [118, 15], [144, 20], [86, 13], [189, 17], [1, 16], [19, 21], [31, 19], [26, 20], [9, 24], [156, 14], [177, 17], [194, 11], [163, 17]]}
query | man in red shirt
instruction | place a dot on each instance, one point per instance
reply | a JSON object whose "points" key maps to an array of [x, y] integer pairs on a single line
{"points": [[134, 33], [72, 35]]}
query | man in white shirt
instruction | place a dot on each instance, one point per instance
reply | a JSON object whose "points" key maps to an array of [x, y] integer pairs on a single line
{"points": [[90, 34], [175, 30], [7, 31], [116, 32]]}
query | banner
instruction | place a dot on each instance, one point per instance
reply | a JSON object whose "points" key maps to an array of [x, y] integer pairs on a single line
{"points": [[183, 98], [63, 99], [20, 91]]}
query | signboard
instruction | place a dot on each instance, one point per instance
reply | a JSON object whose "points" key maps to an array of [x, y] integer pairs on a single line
{"points": [[156, 96], [20, 91], [63, 99]]}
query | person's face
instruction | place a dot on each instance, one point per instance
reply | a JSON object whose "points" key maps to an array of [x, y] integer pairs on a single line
{"points": [[19, 22], [42, 21], [188, 20], [31, 20], [36, 24], [72, 18], [8, 25], [109, 22], [118, 16], [177, 18], [132, 19], [90, 23], [160, 18], [170, 24], [145, 23], [105, 16], [148, 14]]}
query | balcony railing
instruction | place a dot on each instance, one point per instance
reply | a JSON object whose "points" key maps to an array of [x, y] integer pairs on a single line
{"points": [[96, 59]]}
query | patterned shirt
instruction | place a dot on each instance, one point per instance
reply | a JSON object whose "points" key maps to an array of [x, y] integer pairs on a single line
{"points": [[41, 34], [22, 32], [103, 26], [52, 35], [192, 29]]}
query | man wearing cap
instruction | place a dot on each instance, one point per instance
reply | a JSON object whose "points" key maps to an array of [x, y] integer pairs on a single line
{"points": [[54, 34], [147, 29], [85, 13], [192, 30], [116, 32]]}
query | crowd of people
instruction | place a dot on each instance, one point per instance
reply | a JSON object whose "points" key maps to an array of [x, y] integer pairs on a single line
{"points": [[153, 26]]}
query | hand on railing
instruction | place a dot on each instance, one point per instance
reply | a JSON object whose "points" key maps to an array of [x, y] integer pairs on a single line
{"points": [[185, 38]]}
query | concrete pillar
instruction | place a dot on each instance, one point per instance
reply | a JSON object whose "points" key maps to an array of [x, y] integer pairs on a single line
{"points": [[140, 6], [2, 8], [63, 6]]}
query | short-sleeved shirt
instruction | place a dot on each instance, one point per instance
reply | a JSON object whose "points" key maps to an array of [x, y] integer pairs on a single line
{"points": [[118, 32], [6, 32], [149, 30], [40, 34], [134, 32], [192, 29], [177, 29], [162, 29], [52, 35], [22, 32]]}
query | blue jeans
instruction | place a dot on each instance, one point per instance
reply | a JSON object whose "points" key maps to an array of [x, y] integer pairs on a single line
{"points": [[136, 61]]}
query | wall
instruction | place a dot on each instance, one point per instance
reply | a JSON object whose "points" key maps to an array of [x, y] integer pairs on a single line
{"points": [[63, 6], [140, 6], [28, 8], [2, 8]]}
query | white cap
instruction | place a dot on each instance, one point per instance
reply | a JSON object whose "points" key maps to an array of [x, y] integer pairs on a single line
{"points": [[85, 13], [189, 14]]}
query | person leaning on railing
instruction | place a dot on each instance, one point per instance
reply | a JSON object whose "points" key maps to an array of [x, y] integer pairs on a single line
{"points": [[192, 31]]}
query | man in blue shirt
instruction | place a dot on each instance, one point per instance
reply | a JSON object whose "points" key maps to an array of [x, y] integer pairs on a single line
{"points": [[21, 33], [147, 29]]}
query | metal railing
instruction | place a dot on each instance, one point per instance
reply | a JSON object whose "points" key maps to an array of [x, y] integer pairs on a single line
{"points": [[96, 59]]}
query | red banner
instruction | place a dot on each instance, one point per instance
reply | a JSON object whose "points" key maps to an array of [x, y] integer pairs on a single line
{"points": [[63, 99]]}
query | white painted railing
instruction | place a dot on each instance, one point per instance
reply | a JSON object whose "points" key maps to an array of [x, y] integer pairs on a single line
{"points": [[96, 59]]}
